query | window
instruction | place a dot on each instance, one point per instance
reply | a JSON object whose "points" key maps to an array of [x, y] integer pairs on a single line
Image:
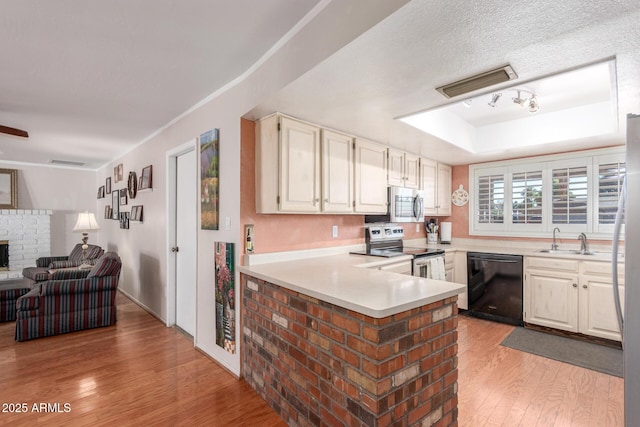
{"points": [[569, 195], [527, 197], [609, 186], [577, 192], [491, 199]]}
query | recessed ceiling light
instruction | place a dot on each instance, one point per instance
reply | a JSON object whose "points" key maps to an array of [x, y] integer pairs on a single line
{"points": [[479, 81]]}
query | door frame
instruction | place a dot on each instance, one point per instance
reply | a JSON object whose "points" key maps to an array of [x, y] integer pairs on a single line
{"points": [[171, 185]]}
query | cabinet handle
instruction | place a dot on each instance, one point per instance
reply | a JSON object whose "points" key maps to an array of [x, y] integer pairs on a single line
{"points": [[575, 285], [584, 286], [326, 200]]}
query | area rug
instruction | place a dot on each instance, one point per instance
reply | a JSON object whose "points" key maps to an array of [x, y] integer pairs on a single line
{"points": [[596, 357]]}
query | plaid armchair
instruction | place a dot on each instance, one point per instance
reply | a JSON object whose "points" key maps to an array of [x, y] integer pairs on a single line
{"points": [[40, 272], [71, 300]]}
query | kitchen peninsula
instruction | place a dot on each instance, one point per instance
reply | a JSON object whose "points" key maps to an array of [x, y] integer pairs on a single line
{"points": [[335, 339]]}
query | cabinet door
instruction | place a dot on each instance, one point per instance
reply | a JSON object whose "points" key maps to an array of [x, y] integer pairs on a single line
{"points": [[395, 172], [411, 171], [429, 174], [299, 166], [370, 177], [337, 172], [444, 190], [460, 276], [597, 308], [552, 300]]}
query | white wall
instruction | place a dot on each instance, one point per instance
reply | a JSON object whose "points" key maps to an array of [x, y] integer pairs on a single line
{"points": [[144, 247], [66, 191]]}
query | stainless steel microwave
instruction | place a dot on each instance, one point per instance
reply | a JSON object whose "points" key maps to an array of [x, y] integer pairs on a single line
{"points": [[404, 205]]}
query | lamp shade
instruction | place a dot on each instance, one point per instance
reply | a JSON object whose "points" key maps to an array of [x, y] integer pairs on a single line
{"points": [[86, 222]]}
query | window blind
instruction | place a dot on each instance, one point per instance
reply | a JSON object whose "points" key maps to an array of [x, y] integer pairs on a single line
{"points": [[609, 186], [526, 197], [569, 195], [490, 199]]}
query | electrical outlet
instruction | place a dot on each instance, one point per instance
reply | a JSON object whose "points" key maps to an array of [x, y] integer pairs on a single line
{"points": [[417, 227], [227, 223], [334, 231]]}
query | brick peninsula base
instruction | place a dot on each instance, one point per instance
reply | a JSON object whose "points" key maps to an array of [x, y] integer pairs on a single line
{"points": [[317, 364]]}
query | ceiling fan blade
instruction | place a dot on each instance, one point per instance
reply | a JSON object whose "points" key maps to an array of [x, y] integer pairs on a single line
{"points": [[14, 131]]}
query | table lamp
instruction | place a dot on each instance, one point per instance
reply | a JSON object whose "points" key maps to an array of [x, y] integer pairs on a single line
{"points": [[86, 222]]}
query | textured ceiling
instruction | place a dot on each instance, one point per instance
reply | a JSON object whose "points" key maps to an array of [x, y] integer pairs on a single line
{"points": [[88, 79], [393, 69]]}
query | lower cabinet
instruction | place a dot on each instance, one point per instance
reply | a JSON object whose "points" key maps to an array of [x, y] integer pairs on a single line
{"points": [[571, 295], [456, 272]]}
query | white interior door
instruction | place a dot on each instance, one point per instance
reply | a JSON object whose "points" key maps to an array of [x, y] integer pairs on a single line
{"points": [[186, 229]]}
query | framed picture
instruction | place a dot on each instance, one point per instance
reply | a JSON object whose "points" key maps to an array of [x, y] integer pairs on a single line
{"points": [[124, 220], [209, 179], [120, 172], [146, 180], [101, 192], [8, 189], [107, 212], [107, 185], [115, 204], [136, 213], [123, 196]]}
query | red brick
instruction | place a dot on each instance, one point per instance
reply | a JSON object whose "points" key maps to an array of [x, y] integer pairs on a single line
{"points": [[406, 314], [328, 418], [348, 356], [345, 323], [451, 378], [370, 334], [431, 391], [298, 329], [442, 341], [320, 313], [333, 334], [419, 352], [431, 361], [419, 413], [431, 332], [420, 321]]}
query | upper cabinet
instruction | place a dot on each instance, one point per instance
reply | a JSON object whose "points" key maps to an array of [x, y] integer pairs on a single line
{"points": [[337, 172], [436, 183], [287, 166], [403, 169], [370, 177]]}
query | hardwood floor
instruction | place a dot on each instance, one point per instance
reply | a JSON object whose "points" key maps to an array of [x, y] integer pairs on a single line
{"points": [[499, 386], [141, 373]]}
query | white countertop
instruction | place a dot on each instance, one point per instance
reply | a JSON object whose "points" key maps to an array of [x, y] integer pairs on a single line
{"points": [[353, 282]]}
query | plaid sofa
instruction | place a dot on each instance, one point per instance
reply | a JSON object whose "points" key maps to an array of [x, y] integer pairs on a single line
{"points": [[40, 272], [71, 300]]}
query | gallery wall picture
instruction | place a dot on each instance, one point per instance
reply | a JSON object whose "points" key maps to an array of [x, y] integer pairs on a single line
{"points": [[8, 189], [209, 184], [225, 296], [115, 204]]}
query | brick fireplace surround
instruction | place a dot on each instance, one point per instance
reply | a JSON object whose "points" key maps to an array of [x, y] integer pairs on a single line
{"points": [[318, 364], [28, 232]]}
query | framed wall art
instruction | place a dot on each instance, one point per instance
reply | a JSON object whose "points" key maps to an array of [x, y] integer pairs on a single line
{"points": [[107, 212], [123, 196], [107, 185], [225, 293], [209, 174], [101, 192], [146, 179], [136, 213], [8, 189], [115, 204], [124, 220]]}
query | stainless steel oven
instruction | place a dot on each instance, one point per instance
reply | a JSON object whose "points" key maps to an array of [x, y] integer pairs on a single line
{"points": [[429, 265]]}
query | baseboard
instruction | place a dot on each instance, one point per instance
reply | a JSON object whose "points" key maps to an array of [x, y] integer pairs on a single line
{"points": [[142, 306]]}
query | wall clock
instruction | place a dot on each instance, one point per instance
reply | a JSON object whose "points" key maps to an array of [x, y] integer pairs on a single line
{"points": [[460, 197], [132, 185]]}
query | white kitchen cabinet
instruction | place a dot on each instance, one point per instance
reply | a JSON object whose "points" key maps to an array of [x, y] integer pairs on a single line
{"points": [[552, 300], [287, 166], [370, 177], [572, 295], [460, 276], [403, 169], [436, 184], [337, 172]]}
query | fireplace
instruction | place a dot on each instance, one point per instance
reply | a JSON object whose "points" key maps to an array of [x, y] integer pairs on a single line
{"points": [[4, 255]]}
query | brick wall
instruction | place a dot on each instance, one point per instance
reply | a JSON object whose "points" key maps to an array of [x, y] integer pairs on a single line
{"points": [[29, 234], [318, 364]]}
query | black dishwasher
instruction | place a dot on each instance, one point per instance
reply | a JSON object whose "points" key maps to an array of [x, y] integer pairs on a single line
{"points": [[495, 287]]}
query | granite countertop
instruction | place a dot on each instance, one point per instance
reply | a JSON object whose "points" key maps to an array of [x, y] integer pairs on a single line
{"points": [[353, 282]]}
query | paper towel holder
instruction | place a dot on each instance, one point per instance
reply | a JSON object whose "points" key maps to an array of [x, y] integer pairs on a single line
{"points": [[445, 233]]}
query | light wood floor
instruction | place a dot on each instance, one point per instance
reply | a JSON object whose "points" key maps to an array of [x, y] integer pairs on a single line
{"points": [[141, 373]]}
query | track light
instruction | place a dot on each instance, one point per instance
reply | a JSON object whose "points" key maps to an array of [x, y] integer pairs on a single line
{"points": [[518, 100], [533, 104], [494, 99]]}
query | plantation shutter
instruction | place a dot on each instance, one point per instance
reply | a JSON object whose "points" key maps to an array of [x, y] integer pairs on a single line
{"points": [[609, 186], [570, 195], [490, 199], [526, 197]]}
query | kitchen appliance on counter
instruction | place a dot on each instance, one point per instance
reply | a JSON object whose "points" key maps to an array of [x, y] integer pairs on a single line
{"points": [[445, 232], [494, 287], [404, 205], [387, 241]]}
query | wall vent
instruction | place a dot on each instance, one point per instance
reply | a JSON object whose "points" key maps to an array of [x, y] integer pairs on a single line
{"points": [[479, 81], [66, 163]]}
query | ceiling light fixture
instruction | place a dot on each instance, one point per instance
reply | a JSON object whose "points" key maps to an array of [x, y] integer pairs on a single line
{"points": [[494, 99], [477, 82], [533, 104], [518, 100]]}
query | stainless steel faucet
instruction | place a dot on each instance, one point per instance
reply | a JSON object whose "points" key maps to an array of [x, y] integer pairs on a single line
{"points": [[583, 243], [554, 245]]}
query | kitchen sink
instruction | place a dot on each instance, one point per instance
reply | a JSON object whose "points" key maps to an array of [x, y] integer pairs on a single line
{"points": [[565, 252]]}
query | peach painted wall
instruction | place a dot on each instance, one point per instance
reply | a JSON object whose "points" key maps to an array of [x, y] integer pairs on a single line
{"points": [[287, 232]]}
